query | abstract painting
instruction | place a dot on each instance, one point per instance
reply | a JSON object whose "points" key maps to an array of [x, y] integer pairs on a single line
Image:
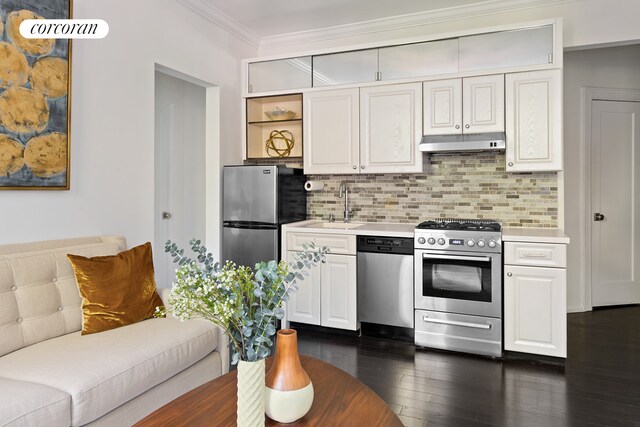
{"points": [[35, 83]]}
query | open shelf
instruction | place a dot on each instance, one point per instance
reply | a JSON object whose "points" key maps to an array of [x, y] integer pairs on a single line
{"points": [[259, 127]]}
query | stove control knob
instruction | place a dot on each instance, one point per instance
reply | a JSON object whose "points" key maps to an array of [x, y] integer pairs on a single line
{"points": [[421, 240], [471, 242], [431, 241], [481, 243], [492, 243], [441, 241]]}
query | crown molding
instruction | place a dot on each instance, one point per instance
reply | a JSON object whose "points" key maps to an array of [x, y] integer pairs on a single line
{"points": [[488, 7], [222, 20]]}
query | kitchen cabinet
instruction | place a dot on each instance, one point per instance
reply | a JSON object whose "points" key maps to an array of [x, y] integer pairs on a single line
{"points": [[535, 309], [418, 60], [390, 128], [260, 127], [512, 48], [367, 130], [534, 121], [331, 132], [467, 105], [328, 296], [279, 74], [359, 66]]}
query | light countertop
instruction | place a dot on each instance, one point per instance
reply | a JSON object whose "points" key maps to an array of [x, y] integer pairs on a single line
{"points": [[534, 235], [362, 229], [509, 234]]}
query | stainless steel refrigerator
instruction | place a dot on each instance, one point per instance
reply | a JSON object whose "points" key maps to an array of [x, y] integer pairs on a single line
{"points": [[257, 200]]}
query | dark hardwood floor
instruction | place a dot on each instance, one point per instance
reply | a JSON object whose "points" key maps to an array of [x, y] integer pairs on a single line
{"points": [[599, 384]]}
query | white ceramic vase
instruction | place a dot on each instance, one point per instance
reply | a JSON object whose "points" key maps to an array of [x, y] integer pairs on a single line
{"points": [[251, 394], [289, 391]]}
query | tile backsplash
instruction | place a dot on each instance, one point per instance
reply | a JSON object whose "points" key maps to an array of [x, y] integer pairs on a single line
{"points": [[468, 185]]}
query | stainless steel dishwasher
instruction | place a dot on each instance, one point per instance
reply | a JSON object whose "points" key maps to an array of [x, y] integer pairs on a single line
{"points": [[385, 281]]}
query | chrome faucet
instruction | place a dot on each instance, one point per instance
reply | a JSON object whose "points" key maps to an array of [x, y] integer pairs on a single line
{"points": [[344, 190]]}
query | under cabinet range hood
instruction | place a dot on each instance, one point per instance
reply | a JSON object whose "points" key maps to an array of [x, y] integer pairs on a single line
{"points": [[463, 142]]}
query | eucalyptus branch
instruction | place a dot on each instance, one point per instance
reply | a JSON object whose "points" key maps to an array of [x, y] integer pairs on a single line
{"points": [[244, 302]]}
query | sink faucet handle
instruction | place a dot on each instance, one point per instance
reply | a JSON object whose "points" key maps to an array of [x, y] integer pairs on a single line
{"points": [[332, 218]]}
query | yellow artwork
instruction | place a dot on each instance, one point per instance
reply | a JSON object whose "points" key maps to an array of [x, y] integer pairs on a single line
{"points": [[35, 83]]}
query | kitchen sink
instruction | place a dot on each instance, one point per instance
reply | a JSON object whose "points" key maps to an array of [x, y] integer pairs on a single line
{"points": [[334, 225]]}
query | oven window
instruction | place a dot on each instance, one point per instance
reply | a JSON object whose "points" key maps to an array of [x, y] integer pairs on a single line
{"points": [[465, 280]]}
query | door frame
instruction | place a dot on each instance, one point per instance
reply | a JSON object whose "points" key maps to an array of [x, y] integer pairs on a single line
{"points": [[588, 95], [213, 161]]}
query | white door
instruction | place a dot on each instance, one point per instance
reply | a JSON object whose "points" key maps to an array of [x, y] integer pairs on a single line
{"points": [[391, 128], [615, 194], [179, 171], [535, 310], [304, 304], [442, 107], [331, 132], [338, 288], [483, 104], [533, 121]]}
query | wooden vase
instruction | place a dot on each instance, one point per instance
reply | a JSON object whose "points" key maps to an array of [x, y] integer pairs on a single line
{"points": [[289, 391], [251, 394]]}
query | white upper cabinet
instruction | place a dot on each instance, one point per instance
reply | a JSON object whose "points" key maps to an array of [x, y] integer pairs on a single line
{"points": [[368, 130], [331, 132], [390, 128], [483, 104], [469, 105], [442, 107], [534, 121]]}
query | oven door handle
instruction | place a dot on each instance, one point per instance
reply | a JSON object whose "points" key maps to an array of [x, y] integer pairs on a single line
{"points": [[456, 323], [456, 258]]}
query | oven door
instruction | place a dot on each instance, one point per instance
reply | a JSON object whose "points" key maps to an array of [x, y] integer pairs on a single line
{"points": [[459, 282]]}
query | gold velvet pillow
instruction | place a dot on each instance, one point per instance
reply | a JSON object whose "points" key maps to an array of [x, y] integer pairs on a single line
{"points": [[116, 290]]}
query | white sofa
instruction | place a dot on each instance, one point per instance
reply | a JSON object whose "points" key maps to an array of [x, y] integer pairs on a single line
{"points": [[50, 375]]}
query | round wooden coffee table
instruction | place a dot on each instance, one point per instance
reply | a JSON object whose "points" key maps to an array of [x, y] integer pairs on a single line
{"points": [[340, 399]]}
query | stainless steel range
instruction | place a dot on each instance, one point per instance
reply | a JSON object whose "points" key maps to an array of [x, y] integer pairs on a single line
{"points": [[458, 286]]}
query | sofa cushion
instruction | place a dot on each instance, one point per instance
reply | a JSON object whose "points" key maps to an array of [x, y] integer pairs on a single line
{"points": [[116, 290], [102, 371], [28, 404], [39, 296]]}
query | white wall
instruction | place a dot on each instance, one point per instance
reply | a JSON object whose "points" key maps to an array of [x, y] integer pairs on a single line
{"points": [[585, 22], [112, 135], [619, 68]]}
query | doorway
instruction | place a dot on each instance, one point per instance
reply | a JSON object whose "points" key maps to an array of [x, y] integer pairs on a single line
{"points": [[186, 146], [613, 202]]}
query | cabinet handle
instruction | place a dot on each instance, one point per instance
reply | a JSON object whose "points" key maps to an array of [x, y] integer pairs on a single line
{"points": [[355, 167], [466, 126], [509, 274], [510, 163], [457, 126], [362, 167]]}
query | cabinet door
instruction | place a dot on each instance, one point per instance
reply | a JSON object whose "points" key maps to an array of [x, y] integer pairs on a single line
{"points": [[304, 304], [390, 128], [280, 74], [535, 310], [534, 121], [442, 107], [331, 132], [483, 104], [338, 289]]}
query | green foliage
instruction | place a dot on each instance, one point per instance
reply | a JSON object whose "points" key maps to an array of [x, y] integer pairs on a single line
{"points": [[243, 302]]}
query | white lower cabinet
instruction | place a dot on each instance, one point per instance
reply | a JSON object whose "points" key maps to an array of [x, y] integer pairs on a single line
{"points": [[304, 304], [535, 308], [328, 296]]}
